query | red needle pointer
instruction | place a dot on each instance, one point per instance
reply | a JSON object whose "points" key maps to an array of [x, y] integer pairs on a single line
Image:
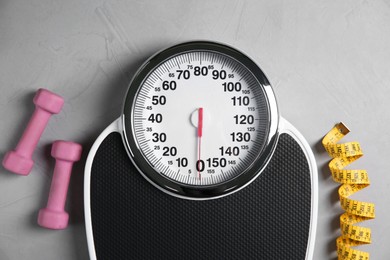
{"points": [[200, 132]]}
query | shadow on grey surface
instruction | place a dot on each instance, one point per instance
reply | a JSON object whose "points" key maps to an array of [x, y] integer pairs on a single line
{"points": [[326, 175], [323, 168], [331, 248]]}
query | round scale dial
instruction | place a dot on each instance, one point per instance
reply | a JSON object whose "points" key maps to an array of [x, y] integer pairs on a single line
{"points": [[199, 120]]}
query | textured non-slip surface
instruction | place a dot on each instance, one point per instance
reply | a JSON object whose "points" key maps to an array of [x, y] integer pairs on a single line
{"points": [[269, 219]]}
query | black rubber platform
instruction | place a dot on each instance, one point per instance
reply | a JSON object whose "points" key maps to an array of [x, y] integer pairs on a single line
{"points": [[269, 219]]}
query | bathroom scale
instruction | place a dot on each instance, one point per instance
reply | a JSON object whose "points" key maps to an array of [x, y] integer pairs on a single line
{"points": [[200, 165]]}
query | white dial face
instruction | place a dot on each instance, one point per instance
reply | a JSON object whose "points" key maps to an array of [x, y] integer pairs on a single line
{"points": [[200, 118]]}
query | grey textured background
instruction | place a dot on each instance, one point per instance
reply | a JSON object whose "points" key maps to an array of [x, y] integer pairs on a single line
{"points": [[328, 61]]}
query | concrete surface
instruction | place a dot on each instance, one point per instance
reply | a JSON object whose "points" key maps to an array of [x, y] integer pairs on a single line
{"points": [[328, 61]]}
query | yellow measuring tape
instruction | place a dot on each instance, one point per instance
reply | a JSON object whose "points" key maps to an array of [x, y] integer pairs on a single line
{"points": [[352, 181]]}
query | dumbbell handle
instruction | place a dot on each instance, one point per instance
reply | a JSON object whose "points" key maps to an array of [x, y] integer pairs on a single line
{"points": [[54, 215], [33, 132], [19, 160], [59, 185]]}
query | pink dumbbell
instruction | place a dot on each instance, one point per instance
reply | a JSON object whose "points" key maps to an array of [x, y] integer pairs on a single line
{"points": [[20, 161], [54, 216]]}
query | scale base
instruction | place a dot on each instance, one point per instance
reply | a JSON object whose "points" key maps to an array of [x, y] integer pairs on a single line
{"points": [[274, 217]]}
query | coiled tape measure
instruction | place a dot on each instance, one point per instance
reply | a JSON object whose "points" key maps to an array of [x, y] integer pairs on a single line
{"points": [[352, 181]]}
